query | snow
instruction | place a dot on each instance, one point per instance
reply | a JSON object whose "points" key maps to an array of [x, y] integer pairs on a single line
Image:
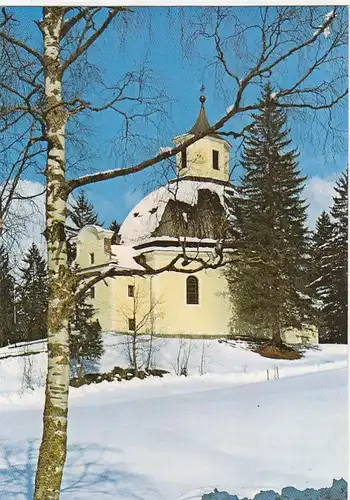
{"points": [[165, 150], [143, 220], [176, 438], [329, 15], [125, 257], [327, 30]]}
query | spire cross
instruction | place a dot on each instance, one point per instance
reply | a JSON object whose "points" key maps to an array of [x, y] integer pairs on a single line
{"points": [[202, 89]]}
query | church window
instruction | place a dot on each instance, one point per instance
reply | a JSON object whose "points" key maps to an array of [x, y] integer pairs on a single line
{"points": [[131, 324], [131, 290], [92, 258], [215, 159], [92, 293], [192, 296], [184, 158]]}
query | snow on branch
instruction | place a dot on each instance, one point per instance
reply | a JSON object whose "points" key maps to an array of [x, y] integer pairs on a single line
{"points": [[325, 28]]}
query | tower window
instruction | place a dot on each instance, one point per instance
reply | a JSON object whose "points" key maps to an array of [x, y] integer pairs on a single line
{"points": [[92, 258], [184, 158], [192, 296], [131, 290], [92, 293], [215, 159]]}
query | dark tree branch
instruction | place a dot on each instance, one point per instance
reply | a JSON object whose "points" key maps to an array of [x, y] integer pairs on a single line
{"points": [[84, 47]]}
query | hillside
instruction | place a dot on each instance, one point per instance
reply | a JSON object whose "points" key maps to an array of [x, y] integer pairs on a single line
{"points": [[176, 438]]}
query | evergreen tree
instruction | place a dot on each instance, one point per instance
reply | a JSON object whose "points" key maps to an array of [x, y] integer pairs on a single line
{"points": [[7, 304], [33, 297], [86, 344], [335, 268], [82, 213], [321, 268], [268, 288], [114, 226]]}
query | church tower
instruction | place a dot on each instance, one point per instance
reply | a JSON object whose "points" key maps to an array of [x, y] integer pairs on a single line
{"points": [[207, 158]]}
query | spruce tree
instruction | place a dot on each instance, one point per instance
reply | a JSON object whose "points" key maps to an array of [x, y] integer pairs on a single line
{"points": [[336, 299], [7, 304], [114, 226], [32, 297], [321, 269], [82, 213], [268, 288], [85, 342]]}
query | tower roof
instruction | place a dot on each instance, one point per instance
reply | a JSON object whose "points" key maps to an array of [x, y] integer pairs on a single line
{"points": [[202, 123]]}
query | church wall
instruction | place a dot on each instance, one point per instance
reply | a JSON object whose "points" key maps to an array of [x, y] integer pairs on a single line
{"points": [[174, 317], [199, 160], [308, 335], [92, 241], [159, 301], [138, 307], [103, 303]]}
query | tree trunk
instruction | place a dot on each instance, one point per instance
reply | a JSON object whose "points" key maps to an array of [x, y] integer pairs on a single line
{"points": [[134, 353], [52, 454], [80, 373], [276, 335]]}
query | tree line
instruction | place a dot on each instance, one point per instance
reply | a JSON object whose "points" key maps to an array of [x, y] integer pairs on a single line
{"points": [[290, 277], [24, 296]]}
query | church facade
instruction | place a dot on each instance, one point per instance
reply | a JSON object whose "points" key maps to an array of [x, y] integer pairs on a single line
{"points": [[176, 229]]}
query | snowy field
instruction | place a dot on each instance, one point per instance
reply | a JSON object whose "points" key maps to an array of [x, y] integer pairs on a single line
{"points": [[179, 437]]}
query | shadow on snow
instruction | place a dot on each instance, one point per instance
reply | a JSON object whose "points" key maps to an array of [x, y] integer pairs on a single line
{"points": [[90, 472]]}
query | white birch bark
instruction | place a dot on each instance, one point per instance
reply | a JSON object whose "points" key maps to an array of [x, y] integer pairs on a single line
{"points": [[52, 452]]}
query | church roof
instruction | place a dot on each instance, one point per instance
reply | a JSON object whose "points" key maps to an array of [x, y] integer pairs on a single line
{"points": [[202, 123], [185, 207]]}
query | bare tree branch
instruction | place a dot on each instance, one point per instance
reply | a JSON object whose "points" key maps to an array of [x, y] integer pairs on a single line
{"points": [[82, 48]]}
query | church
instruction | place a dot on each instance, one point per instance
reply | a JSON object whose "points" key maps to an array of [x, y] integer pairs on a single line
{"points": [[179, 234]]}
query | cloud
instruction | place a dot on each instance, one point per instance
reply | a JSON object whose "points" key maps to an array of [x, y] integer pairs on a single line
{"points": [[26, 219], [319, 193]]}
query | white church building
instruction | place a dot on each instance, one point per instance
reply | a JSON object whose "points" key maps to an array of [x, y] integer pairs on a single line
{"points": [[184, 223]]}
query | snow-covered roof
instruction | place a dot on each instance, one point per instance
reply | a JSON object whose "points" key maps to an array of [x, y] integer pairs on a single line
{"points": [[98, 231], [124, 254], [144, 219]]}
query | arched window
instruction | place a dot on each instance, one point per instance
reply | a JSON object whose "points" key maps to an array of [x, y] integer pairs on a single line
{"points": [[192, 296]]}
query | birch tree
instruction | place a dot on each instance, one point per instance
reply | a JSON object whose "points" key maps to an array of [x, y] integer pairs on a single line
{"points": [[41, 97]]}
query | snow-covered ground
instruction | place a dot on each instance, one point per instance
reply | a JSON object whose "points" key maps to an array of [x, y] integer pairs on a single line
{"points": [[179, 437]]}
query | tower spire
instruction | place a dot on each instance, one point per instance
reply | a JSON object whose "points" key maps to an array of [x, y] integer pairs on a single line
{"points": [[202, 123]]}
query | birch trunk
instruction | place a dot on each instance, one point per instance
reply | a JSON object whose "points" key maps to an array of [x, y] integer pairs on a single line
{"points": [[52, 454]]}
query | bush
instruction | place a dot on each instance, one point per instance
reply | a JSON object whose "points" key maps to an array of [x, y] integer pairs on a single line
{"points": [[274, 352], [117, 373]]}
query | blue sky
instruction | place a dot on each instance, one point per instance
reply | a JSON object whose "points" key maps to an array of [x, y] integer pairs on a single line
{"points": [[154, 39]]}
